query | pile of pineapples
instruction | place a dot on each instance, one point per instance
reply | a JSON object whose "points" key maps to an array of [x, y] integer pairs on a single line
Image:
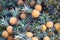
{"points": [[30, 19]]}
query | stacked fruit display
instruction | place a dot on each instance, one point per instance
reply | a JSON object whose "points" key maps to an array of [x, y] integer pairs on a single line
{"points": [[29, 20]]}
